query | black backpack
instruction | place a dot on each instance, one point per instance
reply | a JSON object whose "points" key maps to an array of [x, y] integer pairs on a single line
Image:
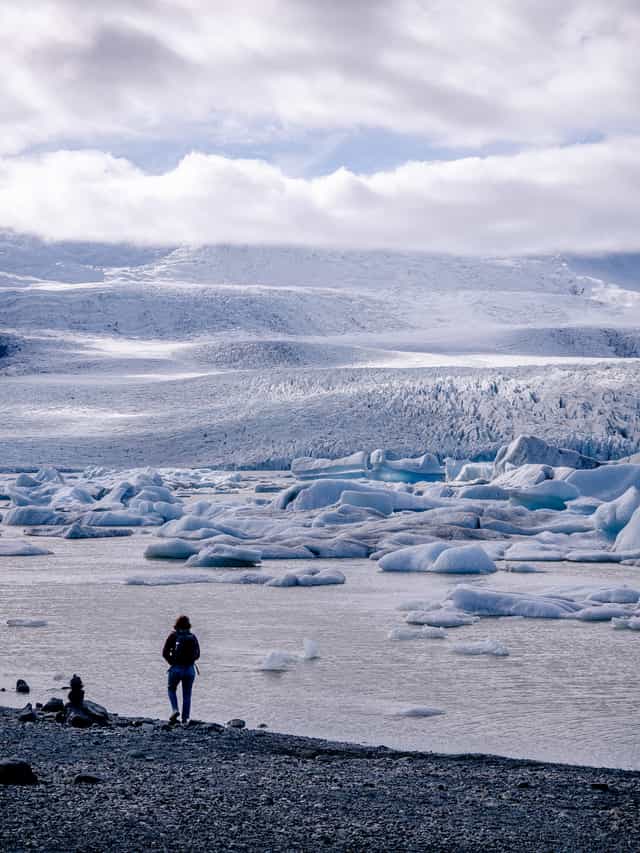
{"points": [[184, 650]]}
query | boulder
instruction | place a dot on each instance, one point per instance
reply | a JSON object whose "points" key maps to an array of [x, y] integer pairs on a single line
{"points": [[22, 686], [236, 723], [27, 714], [53, 706], [16, 772], [87, 779]]}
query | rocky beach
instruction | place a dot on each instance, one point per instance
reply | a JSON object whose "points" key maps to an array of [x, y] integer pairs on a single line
{"points": [[139, 784]]}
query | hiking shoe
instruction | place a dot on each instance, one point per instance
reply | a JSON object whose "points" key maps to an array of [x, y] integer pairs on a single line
{"points": [[186, 723], [173, 719]]}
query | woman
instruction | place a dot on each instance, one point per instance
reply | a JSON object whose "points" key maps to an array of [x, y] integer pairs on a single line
{"points": [[181, 651]]}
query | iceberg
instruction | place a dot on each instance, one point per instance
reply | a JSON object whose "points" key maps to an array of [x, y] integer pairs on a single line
{"points": [[442, 618], [416, 558], [629, 537], [488, 602], [385, 465], [527, 448], [308, 468], [612, 516], [607, 482], [481, 647], [20, 548], [465, 559]]}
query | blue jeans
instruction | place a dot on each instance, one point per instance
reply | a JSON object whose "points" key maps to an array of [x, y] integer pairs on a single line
{"points": [[186, 675]]}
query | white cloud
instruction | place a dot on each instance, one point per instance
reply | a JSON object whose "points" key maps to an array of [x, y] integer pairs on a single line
{"points": [[576, 198], [459, 73]]}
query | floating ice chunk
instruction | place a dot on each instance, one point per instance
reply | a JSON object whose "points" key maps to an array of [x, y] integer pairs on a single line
{"points": [[20, 548], [381, 501], [384, 465], [600, 613], [420, 711], [341, 546], [521, 568], [405, 632], [25, 481], [527, 448], [481, 647], [607, 482], [245, 577], [488, 492], [115, 518], [550, 494], [631, 623], [534, 551], [326, 577], [615, 595], [346, 514], [27, 623], [593, 557], [419, 604], [439, 618], [612, 516], [79, 531], [487, 602], [629, 537], [416, 558], [308, 468], [466, 559], [278, 661], [225, 556], [310, 649], [170, 549], [166, 580], [473, 471], [524, 476], [33, 516]]}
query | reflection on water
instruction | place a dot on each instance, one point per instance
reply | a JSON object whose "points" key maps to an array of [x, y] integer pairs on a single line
{"points": [[567, 692]]}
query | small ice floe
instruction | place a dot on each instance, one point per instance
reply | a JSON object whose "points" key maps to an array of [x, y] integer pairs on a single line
{"points": [[615, 595], [442, 618], [601, 613], [20, 548], [489, 602], [27, 623], [481, 647], [406, 632], [420, 711], [419, 604], [309, 577], [225, 557], [279, 660], [240, 578], [170, 549], [166, 580], [522, 568], [466, 559], [631, 623]]}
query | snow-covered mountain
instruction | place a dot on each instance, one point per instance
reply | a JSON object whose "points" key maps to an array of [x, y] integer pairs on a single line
{"points": [[232, 355]]}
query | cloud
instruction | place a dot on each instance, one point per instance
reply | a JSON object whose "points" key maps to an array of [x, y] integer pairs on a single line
{"points": [[580, 198], [460, 74]]}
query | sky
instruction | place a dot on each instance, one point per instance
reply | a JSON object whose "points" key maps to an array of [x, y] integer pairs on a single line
{"points": [[488, 127]]}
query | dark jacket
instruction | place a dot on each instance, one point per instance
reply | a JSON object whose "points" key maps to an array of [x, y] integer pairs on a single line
{"points": [[188, 641]]}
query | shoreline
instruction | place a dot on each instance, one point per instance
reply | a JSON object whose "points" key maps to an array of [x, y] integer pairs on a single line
{"points": [[209, 787]]}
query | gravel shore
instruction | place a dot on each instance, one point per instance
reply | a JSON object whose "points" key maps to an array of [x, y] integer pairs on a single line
{"points": [[140, 785]]}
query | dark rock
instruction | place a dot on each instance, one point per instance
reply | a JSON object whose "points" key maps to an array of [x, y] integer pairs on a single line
{"points": [[53, 706], [600, 786], [236, 723], [96, 712], [16, 772], [22, 686], [263, 726], [77, 718], [215, 727], [27, 714], [87, 779], [524, 784]]}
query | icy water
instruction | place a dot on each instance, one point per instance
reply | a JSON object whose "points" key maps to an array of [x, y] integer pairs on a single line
{"points": [[568, 691]]}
